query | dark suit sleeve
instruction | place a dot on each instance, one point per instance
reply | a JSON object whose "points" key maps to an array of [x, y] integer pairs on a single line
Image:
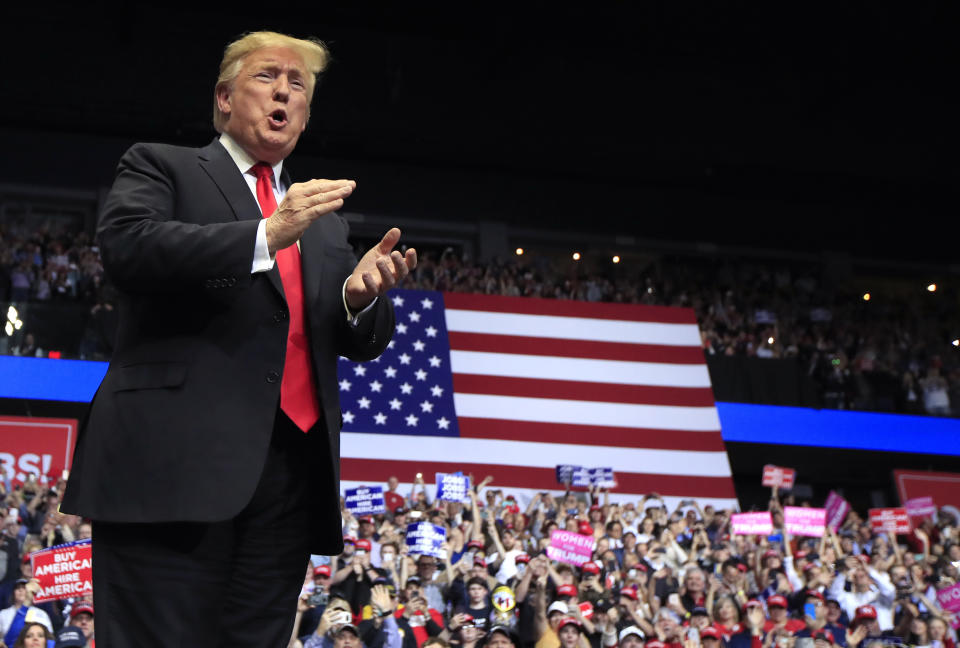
{"points": [[146, 244]]}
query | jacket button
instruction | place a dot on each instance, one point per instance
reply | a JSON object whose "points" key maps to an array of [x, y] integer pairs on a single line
{"points": [[231, 281], [272, 376], [279, 316]]}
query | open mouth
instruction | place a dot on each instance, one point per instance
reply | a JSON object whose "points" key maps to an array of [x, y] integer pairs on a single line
{"points": [[278, 118]]}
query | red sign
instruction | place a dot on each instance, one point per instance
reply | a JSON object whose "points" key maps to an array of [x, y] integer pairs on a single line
{"points": [[64, 571], [42, 447], [890, 519], [943, 487], [777, 476]]}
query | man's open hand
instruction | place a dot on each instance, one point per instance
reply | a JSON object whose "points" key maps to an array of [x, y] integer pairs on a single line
{"points": [[304, 203], [380, 269]]}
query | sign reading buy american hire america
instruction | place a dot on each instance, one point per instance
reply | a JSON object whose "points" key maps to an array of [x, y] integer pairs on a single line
{"points": [[63, 571]]}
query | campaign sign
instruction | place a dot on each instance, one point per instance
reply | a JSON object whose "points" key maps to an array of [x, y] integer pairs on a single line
{"points": [[837, 509], [570, 548], [573, 476], [949, 600], [602, 477], [890, 519], [777, 476], [752, 523], [63, 571], [920, 507], [425, 539], [803, 521], [453, 487], [366, 500], [42, 447], [585, 477]]}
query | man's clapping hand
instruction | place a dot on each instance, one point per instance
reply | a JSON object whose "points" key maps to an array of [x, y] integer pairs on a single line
{"points": [[380, 269], [304, 203]]}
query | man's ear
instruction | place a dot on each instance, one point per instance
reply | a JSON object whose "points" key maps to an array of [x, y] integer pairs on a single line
{"points": [[223, 98]]}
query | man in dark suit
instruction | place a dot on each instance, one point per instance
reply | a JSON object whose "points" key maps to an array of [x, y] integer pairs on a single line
{"points": [[210, 461]]}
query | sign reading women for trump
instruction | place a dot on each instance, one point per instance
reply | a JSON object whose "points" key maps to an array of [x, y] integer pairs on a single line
{"points": [[571, 548], [837, 509], [803, 521], [366, 500], [949, 600], [63, 571], [752, 523]]}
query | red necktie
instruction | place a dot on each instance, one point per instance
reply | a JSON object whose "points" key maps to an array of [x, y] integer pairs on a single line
{"points": [[298, 389]]}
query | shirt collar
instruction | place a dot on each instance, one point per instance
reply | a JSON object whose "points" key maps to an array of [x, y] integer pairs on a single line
{"points": [[244, 160]]}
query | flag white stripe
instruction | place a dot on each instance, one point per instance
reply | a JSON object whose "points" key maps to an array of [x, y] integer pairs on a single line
{"points": [[524, 495], [572, 328], [579, 369], [555, 410], [401, 447]]}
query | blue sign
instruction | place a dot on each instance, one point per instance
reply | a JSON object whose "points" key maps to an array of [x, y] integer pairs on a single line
{"points": [[366, 500], [425, 539], [585, 477], [453, 487]]}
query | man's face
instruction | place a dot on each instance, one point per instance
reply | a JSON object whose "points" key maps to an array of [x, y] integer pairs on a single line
{"points": [[84, 621], [266, 105], [554, 620], [84, 531], [477, 593], [509, 540], [569, 635], [392, 483], [499, 640], [833, 611], [366, 530], [426, 567], [346, 639], [631, 641]]}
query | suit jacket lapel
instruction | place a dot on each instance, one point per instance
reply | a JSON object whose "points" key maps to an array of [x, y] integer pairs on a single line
{"points": [[218, 164]]}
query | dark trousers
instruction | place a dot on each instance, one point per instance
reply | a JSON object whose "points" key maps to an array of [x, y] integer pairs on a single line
{"points": [[233, 583]]}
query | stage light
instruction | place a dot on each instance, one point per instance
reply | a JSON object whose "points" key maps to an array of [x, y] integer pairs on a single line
{"points": [[866, 296], [770, 340], [576, 256], [8, 328], [519, 251], [616, 259], [932, 288], [956, 343]]}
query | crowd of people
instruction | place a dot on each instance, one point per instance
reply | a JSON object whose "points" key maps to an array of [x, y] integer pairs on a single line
{"points": [[656, 578], [892, 353]]}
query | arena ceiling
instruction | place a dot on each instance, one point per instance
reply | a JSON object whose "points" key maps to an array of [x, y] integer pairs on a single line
{"points": [[739, 122]]}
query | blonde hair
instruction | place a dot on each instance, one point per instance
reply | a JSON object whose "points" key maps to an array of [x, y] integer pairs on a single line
{"points": [[313, 52]]}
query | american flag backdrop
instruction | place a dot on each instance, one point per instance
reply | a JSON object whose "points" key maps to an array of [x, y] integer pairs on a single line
{"points": [[512, 387]]}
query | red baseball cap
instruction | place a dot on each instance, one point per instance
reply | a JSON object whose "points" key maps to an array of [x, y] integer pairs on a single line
{"points": [[585, 528], [824, 634], [754, 603], [567, 590], [710, 633], [322, 570], [349, 540], [595, 507], [80, 608], [522, 558], [777, 601], [565, 621], [366, 518], [590, 568], [479, 562], [814, 594], [865, 612], [475, 544], [655, 643], [629, 592], [363, 544], [771, 552]]}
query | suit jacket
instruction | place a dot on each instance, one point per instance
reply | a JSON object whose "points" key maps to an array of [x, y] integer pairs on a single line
{"points": [[179, 428]]}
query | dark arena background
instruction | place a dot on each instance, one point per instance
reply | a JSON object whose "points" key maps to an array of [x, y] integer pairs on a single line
{"points": [[784, 176]]}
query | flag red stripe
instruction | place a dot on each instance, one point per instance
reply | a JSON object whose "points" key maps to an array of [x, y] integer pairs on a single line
{"points": [[493, 343], [570, 308], [377, 470], [594, 435], [583, 391]]}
